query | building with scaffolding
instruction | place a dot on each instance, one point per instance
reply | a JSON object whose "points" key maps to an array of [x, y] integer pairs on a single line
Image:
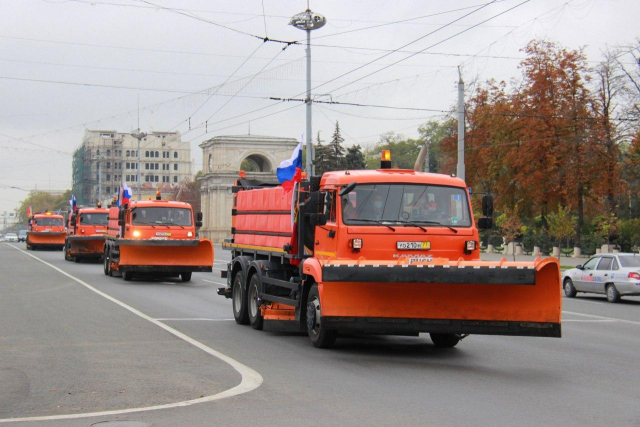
{"points": [[108, 158]]}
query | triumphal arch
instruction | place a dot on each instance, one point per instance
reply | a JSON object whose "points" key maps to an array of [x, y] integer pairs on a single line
{"points": [[222, 158]]}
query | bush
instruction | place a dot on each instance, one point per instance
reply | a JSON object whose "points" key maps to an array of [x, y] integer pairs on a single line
{"points": [[589, 243]]}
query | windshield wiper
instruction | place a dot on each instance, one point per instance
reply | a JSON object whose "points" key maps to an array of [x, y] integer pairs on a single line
{"points": [[439, 223], [401, 221], [376, 221]]}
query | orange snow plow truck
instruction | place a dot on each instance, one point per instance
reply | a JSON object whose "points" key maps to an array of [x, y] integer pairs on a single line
{"points": [[87, 233], [157, 238], [383, 252], [46, 230]]}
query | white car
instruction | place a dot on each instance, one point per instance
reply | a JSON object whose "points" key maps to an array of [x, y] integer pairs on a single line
{"points": [[11, 237], [614, 275]]}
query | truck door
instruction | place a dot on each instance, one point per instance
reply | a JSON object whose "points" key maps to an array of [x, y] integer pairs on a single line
{"points": [[327, 235]]}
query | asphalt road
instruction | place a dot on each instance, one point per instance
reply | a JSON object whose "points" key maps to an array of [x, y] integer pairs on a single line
{"points": [[73, 341]]}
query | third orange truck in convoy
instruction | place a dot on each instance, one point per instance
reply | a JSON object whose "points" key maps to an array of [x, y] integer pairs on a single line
{"points": [[46, 230], [86, 234], [383, 251], [155, 237]]}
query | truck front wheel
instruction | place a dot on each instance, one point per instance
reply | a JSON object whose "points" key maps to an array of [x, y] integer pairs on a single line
{"points": [[185, 276], [253, 302], [320, 336], [239, 301], [445, 340]]}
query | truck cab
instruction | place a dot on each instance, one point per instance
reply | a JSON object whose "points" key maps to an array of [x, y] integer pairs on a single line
{"points": [[46, 230]]}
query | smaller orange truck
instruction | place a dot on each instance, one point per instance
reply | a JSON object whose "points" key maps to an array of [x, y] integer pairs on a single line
{"points": [[155, 238], [46, 230], [86, 234]]}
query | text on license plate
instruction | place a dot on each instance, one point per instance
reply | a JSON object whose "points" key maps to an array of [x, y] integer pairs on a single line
{"points": [[413, 245], [163, 233]]}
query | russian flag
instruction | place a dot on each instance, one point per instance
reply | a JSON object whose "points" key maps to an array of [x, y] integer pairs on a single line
{"points": [[124, 195], [290, 171], [73, 204]]}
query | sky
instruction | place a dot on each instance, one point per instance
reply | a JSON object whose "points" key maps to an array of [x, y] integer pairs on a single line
{"points": [[203, 68]]}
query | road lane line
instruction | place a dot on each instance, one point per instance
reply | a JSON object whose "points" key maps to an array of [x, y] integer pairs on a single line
{"points": [[582, 301], [588, 320], [195, 319], [250, 378], [614, 319], [215, 283]]}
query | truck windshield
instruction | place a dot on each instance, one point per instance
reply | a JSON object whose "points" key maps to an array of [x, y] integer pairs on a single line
{"points": [[162, 216], [94, 218], [49, 221], [406, 203]]}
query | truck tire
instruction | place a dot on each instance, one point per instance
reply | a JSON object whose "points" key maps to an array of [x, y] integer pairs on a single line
{"points": [[253, 304], [106, 262], [239, 301], [320, 336], [185, 276], [127, 275], [445, 340], [67, 256]]}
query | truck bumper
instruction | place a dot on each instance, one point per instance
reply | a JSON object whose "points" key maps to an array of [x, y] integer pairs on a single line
{"points": [[404, 326], [86, 246]]}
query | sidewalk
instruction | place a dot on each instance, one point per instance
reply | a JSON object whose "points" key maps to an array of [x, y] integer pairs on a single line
{"points": [[564, 261]]}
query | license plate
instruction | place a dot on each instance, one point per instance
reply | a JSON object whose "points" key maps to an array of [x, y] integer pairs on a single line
{"points": [[159, 238], [413, 245], [163, 233], [100, 231]]}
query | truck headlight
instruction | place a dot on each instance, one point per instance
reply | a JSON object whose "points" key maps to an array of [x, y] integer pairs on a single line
{"points": [[189, 234], [136, 233], [470, 245], [355, 243]]}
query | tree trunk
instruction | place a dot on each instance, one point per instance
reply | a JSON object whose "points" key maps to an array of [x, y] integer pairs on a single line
{"points": [[580, 212]]}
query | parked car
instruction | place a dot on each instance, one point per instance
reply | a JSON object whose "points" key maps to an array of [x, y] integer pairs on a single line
{"points": [[11, 237], [1, 238], [614, 275], [22, 235]]}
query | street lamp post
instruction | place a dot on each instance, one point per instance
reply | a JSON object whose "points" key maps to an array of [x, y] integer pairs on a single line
{"points": [[308, 21], [138, 135]]}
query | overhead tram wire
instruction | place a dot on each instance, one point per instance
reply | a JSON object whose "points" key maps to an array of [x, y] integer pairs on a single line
{"points": [[402, 47], [433, 45], [196, 17], [240, 90], [220, 86]]}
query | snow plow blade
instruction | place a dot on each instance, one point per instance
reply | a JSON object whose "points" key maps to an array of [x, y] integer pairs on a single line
{"points": [[169, 256], [461, 297], [45, 238], [86, 246]]}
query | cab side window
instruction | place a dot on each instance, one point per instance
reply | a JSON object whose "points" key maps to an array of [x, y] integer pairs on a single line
{"points": [[330, 206]]}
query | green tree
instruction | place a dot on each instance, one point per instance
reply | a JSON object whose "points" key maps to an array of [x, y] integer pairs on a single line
{"points": [[354, 159], [41, 201], [433, 133], [335, 153], [404, 152], [322, 160], [562, 225]]}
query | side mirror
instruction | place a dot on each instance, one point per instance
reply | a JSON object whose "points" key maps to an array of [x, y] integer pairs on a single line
{"points": [[485, 223], [318, 219], [348, 189], [198, 224], [579, 267], [487, 205], [199, 217]]}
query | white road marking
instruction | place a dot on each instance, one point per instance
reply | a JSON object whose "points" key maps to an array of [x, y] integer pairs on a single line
{"points": [[583, 301], [250, 378], [586, 320], [613, 319], [215, 283], [195, 319]]}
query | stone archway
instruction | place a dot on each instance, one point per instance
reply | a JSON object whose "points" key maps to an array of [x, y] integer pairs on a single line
{"points": [[223, 157], [256, 163]]}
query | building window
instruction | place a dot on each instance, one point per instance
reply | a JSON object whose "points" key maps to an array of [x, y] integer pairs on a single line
{"points": [[108, 152], [98, 152], [146, 178], [146, 154], [175, 166], [146, 166], [108, 165], [156, 178], [108, 177], [157, 154], [128, 153], [108, 190], [175, 154], [175, 179], [157, 166]]}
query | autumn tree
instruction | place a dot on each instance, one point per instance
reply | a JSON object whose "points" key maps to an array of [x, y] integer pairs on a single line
{"points": [[561, 224], [188, 190], [510, 226]]}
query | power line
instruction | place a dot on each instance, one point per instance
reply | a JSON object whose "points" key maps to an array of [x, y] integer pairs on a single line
{"points": [[438, 43]]}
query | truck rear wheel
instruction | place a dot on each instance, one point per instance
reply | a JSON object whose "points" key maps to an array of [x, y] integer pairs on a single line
{"points": [[67, 255], [239, 301], [445, 340], [253, 303], [320, 336], [185, 276], [107, 262]]}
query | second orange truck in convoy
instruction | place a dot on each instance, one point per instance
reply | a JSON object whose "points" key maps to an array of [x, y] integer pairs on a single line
{"points": [[155, 237], [86, 234], [379, 251], [46, 230]]}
